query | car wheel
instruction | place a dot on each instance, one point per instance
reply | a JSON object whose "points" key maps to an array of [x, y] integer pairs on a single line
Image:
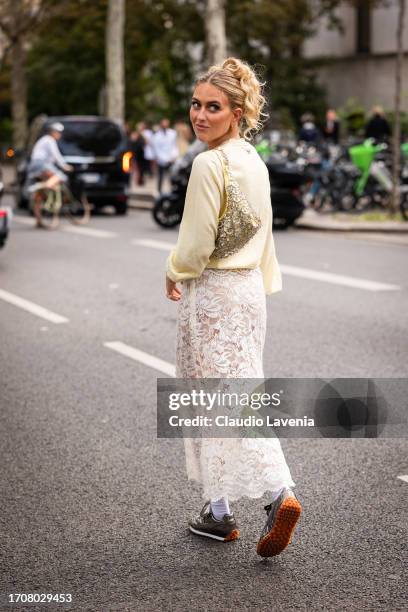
{"points": [[121, 208], [281, 224], [22, 202]]}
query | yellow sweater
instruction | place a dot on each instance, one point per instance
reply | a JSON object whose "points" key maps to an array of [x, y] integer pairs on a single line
{"points": [[204, 202]]}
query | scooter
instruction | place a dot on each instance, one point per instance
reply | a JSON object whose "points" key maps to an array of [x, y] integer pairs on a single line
{"points": [[286, 181]]}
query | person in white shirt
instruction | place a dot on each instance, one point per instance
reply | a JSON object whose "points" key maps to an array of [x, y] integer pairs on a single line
{"points": [[164, 145], [47, 159], [148, 151]]}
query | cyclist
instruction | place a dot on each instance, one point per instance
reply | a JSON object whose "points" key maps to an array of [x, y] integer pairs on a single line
{"points": [[47, 160]]}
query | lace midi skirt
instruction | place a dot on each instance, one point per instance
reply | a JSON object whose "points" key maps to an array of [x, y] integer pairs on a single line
{"points": [[221, 334]]}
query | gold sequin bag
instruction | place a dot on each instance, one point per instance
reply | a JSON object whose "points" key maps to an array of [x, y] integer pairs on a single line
{"points": [[238, 223]]}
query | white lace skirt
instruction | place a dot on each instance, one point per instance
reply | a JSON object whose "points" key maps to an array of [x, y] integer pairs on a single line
{"points": [[221, 334]]}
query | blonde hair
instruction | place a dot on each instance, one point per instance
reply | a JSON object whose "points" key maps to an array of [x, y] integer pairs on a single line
{"points": [[244, 90]]}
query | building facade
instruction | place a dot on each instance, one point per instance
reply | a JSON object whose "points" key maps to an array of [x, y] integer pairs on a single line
{"points": [[359, 62]]}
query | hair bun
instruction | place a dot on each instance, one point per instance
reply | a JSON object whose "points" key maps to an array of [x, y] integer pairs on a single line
{"points": [[239, 69]]}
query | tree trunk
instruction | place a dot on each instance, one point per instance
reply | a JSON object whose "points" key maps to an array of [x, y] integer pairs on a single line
{"points": [[216, 40], [395, 200], [19, 94], [115, 65]]}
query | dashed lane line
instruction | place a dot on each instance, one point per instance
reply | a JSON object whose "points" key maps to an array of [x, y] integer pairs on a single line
{"points": [[89, 231], [23, 220], [31, 307], [308, 273], [152, 362], [338, 279], [71, 229], [403, 477], [155, 244]]}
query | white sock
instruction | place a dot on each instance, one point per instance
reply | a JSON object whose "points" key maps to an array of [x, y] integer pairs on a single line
{"points": [[275, 494], [219, 507]]}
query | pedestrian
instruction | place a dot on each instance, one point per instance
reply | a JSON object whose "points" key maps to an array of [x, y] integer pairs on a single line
{"points": [[164, 143], [225, 261], [137, 146], [377, 127], [148, 150], [184, 136], [331, 128], [309, 133]]}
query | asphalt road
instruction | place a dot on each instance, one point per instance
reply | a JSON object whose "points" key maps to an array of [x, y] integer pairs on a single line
{"points": [[94, 505]]}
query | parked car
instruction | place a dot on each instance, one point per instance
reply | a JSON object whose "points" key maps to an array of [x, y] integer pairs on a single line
{"points": [[1, 185], [97, 148]]}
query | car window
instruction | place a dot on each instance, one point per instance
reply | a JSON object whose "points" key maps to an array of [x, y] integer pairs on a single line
{"points": [[90, 138]]}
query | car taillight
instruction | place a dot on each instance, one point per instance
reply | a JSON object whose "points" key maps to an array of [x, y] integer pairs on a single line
{"points": [[126, 161]]}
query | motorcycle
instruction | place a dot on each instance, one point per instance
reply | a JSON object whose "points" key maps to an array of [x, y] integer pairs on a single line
{"points": [[286, 179]]}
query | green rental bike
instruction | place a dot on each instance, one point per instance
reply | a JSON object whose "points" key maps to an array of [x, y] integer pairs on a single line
{"points": [[373, 187]]}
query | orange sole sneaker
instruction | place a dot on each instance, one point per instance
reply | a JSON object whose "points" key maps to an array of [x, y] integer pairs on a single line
{"points": [[280, 536], [234, 535]]}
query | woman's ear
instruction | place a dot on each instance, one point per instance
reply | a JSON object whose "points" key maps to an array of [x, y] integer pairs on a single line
{"points": [[237, 112]]}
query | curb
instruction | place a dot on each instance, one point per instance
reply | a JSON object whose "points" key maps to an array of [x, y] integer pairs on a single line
{"points": [[313, 221], [141, 201]]}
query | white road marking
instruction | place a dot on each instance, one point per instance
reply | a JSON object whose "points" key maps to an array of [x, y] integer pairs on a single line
{"points": [[403, 477], [155, 244], [71, 229], [35, 309], [338, 279], [152, 362], [24, 220], [88, 231], [326, 277]]}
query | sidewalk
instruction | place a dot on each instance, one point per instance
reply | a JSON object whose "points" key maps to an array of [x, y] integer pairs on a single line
{"points": [[142, 198], [343, 222]]}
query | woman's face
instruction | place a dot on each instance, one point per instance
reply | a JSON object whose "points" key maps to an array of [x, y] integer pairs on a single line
{"points": [[211, 116]]}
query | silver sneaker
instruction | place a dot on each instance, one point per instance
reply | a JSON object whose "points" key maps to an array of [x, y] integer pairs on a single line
{"points": [[206, 525], [283, 514]]}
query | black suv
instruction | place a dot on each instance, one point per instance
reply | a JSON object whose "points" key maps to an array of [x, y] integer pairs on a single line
{"points": [[97, 148]]}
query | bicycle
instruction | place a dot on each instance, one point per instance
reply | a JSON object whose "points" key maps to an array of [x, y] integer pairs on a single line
{"points": [[47, 205]]}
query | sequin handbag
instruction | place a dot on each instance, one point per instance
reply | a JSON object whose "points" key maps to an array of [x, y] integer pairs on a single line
{"points": [[238, 223]]}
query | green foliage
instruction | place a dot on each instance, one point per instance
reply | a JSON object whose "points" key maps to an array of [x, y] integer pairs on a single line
{"points": [[390, 115], [353, 117], [66, 65], [159, 70], [273, 37], [66, 61]]}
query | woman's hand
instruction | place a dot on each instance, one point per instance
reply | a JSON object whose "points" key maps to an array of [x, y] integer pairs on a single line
{"points": [[172, 291]]}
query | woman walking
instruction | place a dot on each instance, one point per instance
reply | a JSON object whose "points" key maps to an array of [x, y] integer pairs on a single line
{"points": [[225, 261]]}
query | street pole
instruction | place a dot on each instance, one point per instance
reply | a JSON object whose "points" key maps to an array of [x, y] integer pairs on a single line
{"points": [[395, 199], [115, 64], [216, 40]]}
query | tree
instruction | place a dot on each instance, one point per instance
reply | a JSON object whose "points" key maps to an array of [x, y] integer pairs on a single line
{"points": [[273, 38], [115, 63], [395, 200], [19, 21], [67, 72], [216, 42]]}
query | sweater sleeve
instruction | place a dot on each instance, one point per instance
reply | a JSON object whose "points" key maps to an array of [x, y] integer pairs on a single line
{"points": [[198, 228], [269, 265]]}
